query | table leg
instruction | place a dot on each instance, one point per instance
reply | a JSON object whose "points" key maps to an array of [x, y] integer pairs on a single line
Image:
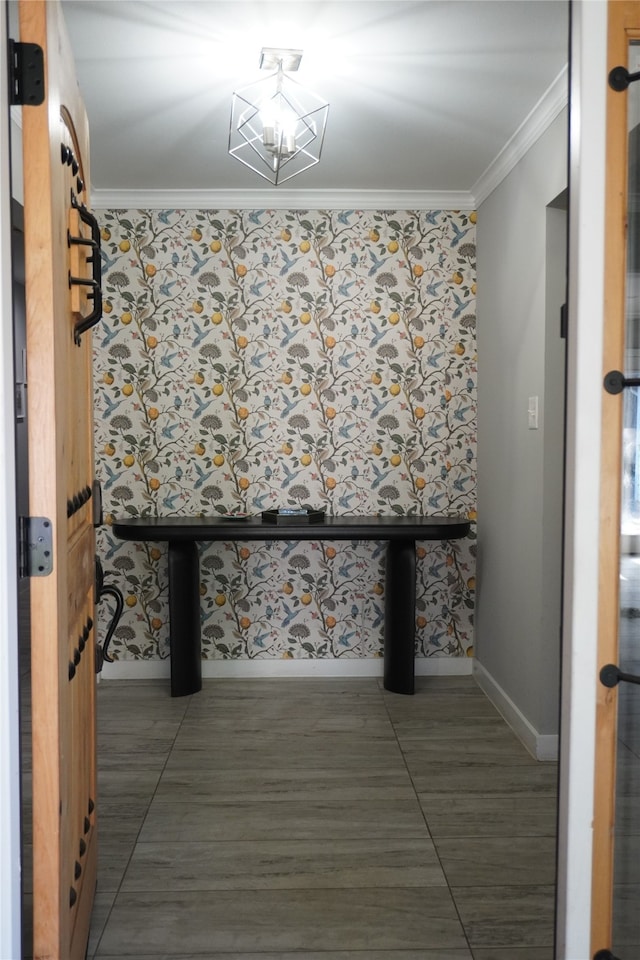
{"points": [[399, 616], [184, 619]]}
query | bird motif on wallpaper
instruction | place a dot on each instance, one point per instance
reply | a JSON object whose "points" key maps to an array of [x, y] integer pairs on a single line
{"points": [[460, 306], [111, 476], [289, 405], [170, 500], [200, 334], [200, 262], [260, 569], [345, 430], [257, 358], [259, 430], [111, 335], [288, 262], [255, 289], [377, 263], [433, 360], [113, 549], [346, 637], [290, 614], [432, 288], [459, 414], [107, 262], [289, 476], [459, 483], [165, 288], [344, 502], [345, 360], [378, 406], [166, 360], [344, 570], [260, 501], [343, 288], [377, 334], [379, 476], [288, 334], [379, 616], [110, 405], [458, 234], [201, 405], [202, 476]]}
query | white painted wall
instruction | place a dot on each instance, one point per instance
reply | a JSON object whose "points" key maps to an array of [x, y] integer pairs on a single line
{"points": [[9, 700], [516, 646]]}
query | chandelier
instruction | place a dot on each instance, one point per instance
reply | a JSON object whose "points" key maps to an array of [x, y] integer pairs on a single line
{"points": [[277, 125]]}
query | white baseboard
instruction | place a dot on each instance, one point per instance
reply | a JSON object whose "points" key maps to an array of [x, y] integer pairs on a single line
{"points": [[541, 746], [238, 669]]}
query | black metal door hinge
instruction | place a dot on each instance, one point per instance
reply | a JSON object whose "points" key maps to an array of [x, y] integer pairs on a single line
{"points": [[35, 547], [26, 74]]}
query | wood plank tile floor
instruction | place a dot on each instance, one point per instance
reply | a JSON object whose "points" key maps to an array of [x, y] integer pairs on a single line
{"points": [[319, 820]]}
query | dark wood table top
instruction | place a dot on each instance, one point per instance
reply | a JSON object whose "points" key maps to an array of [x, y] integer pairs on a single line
{"points": [[255, 528]]}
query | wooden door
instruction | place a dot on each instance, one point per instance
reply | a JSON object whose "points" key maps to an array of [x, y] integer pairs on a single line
{"points": [[610, 843], [56, 175]]}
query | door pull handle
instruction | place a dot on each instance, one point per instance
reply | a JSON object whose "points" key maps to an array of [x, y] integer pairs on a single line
{"points": [[95, 281], [611, 676]]}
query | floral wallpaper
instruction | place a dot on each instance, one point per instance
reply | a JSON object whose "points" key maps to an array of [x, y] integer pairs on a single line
{"points": [[251, 359]]}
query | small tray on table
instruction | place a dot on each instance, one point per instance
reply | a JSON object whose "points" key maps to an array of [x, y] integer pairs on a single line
{"points": [[284, 516]]}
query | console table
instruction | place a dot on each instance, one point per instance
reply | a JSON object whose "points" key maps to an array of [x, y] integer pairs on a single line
{"points": [[182, 534]]}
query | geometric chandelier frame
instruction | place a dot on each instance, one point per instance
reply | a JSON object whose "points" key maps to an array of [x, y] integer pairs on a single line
{"points": [[277, 126]]}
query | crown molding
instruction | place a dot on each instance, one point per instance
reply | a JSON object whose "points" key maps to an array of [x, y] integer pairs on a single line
{"points": [[276, 199], [550, 104], [530, 130]]}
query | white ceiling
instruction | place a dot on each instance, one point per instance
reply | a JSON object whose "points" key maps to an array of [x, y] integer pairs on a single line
{"points": [[423, 95]]}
